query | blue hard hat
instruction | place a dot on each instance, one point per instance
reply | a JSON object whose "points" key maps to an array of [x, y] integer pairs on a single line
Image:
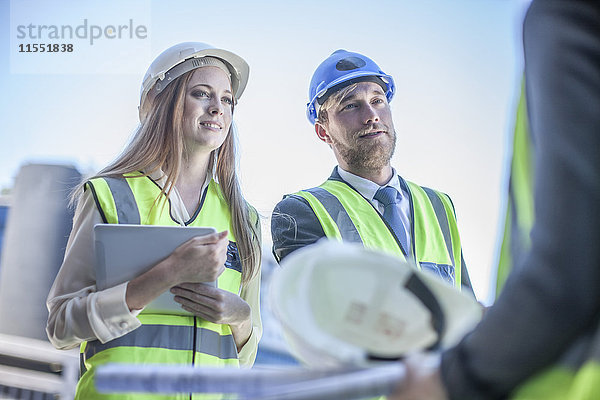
{"points": [[341, 69]]}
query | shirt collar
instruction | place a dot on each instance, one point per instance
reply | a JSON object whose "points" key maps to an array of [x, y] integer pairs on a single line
{"points": [[160, 178], [178, 210], [366, 187]]}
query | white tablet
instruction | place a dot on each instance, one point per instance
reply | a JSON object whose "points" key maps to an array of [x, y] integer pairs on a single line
{"points": [[125, 251]]}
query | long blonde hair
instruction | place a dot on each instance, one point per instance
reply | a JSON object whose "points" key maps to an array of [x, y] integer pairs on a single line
{"points": [[158, 144]]}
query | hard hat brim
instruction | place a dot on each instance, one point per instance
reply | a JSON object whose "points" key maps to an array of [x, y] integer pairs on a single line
{"points": [[312, 107], [238, 68], [339, 303]]}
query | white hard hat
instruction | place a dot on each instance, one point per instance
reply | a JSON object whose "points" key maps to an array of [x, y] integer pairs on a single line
{"points": [[341, 304], [172, 63]]}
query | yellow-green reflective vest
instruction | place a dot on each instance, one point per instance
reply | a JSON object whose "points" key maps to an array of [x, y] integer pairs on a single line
{"points": [[519, 208], [346, 215], [162, 339]]}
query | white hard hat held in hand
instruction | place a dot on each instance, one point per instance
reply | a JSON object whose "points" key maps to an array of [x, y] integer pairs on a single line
{"points": [[341, 304]]}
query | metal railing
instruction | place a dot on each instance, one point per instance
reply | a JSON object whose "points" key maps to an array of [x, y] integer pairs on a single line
{"points": [[32, 369]]}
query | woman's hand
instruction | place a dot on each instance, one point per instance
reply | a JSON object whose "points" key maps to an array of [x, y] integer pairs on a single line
{"points": [[217, 306], [200, 259]]}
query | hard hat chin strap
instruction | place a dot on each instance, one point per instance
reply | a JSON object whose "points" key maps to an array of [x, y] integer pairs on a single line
{"points": [[415, 285]]}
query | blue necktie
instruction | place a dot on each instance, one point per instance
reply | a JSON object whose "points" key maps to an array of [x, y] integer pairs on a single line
{"points": [[390, 197]]}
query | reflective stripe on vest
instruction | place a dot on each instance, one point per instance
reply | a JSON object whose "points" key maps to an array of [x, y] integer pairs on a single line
{"points": [[346, 228], [171, 337], [178, 339], [442, 219], [346, 215], [127, 210]]}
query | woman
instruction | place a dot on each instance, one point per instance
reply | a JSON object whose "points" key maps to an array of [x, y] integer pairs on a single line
{"points": [[179, 169]]}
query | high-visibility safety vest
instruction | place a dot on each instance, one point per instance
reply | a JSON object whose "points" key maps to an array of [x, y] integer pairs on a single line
{"points": [[346, 215], [519, 208], [162, 339]]}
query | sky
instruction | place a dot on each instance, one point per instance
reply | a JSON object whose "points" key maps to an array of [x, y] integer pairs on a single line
{"points": [[456, 64]]}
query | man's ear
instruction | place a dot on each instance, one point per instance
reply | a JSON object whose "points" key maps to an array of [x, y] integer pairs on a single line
{"points": [[321, 132]]}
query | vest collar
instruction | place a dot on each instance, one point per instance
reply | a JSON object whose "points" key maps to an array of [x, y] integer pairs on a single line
{"points": [[335, 176]]}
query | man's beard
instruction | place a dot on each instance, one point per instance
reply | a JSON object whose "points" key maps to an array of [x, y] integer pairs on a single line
{"points": [[367, 154]]}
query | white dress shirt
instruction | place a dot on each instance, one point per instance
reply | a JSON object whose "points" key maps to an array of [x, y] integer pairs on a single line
{"points": [[79, 312], [368, 189]]}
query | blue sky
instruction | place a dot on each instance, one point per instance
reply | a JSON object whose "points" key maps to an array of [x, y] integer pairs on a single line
{"points": [[456, 65]]}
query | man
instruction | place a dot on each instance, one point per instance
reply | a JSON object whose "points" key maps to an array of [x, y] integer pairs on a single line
{"points": [[364, 200], [541, 339]]}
